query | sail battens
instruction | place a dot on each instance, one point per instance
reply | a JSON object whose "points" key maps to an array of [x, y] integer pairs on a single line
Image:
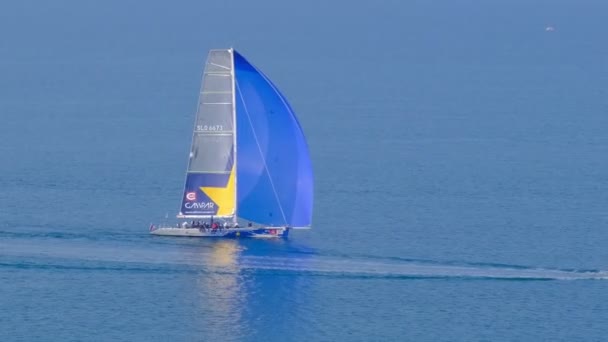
{"points": [[217, 133], [216, 92], [211, 172], [220, 66], [216, 103]]}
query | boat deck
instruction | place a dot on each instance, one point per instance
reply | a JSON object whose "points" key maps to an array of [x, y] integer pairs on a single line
{"points": [[254, 232]]}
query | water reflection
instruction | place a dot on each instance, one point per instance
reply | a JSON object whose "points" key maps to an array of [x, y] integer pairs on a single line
{"points": [[221, 293], [239, 300], [224, 255]]}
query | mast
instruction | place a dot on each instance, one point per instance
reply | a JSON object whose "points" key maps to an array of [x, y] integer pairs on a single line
{"points": [[234, 130]]}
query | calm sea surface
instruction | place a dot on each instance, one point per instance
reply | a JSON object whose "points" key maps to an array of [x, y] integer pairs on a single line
{"points": [[461, 172]]}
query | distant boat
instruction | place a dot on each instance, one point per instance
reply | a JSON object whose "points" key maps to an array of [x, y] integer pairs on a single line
{"points": [[249, 171], [549, 29]]}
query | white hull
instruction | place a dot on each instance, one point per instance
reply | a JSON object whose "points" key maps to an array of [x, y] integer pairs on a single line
{"points": [[260, 233]]}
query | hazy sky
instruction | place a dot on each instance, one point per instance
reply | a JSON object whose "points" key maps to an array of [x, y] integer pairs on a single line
{"points": [[317, 29]]}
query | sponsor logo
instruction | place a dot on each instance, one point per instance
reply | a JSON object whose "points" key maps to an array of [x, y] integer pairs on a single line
{"points": [[200, 205], [191, 196]]}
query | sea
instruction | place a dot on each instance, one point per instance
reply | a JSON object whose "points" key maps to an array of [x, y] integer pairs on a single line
{"points": [[460, 153]]}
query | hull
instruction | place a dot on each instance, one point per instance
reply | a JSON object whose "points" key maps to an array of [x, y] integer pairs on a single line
{"points": [[259, 233]]}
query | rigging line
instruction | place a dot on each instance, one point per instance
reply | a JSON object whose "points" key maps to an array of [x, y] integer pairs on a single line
{"points": [[279, 95], [287, 106], [200, 97], [255, 136]]}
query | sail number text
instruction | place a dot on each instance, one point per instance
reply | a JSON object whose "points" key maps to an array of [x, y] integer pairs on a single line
{"points": [[212, 128]]}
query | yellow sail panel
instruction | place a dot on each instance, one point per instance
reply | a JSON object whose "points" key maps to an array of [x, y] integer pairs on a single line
{"points": [[223, 197]]}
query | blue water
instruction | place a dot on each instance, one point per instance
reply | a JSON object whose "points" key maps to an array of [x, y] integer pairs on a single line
{"points": [[460, 168]]}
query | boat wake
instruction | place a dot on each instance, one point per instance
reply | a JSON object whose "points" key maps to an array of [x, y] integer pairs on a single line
{"points": [[414, 270], [230, 257]]}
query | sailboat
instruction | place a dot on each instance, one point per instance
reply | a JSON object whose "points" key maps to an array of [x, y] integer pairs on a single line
{"points": [[249, 171]]}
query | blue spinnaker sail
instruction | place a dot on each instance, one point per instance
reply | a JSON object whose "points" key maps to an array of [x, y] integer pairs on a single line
{"points": [[274, 172]]}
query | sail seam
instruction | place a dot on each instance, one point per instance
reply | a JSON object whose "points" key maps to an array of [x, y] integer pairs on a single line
{"points": [[278, 94], [260, 150], [220, 66]]}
